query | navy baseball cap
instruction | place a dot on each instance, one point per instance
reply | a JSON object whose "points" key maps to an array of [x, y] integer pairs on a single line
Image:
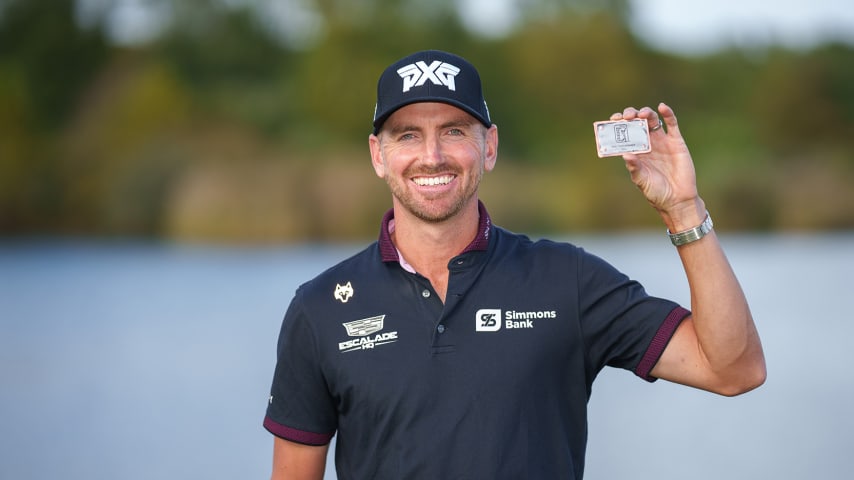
{"points": [[430, 76]]}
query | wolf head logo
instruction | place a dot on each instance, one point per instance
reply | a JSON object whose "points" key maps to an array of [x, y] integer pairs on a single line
{"points": [[344, 293]]}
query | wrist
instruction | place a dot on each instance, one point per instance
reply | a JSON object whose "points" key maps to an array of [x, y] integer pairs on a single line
{"points": [[684, 216]]}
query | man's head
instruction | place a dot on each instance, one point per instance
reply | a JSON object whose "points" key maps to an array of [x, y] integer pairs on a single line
{"points": [[430, 76], [433, 138]]}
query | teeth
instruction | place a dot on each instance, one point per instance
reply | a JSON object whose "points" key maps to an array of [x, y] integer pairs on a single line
{"points": [[425, 181]]}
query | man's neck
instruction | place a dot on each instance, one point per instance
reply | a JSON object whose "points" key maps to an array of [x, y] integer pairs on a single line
{"points": [[429, 246]]}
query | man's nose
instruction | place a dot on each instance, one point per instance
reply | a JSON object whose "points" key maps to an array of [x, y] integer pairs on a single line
{"points": [[432, 150]]}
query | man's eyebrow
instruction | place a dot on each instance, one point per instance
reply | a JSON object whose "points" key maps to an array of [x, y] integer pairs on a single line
{"points": [[400, 128], [462, 121]]}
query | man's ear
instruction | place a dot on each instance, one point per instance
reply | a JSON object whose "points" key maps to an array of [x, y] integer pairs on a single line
{"points": [[376, 155], [491, 148]]}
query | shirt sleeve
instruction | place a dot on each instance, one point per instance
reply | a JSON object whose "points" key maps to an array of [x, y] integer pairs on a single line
{"points": [[300, 408], [622, 325]]}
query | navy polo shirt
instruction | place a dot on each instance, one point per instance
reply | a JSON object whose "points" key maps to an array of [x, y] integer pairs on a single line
{"points": [[493, 383]]}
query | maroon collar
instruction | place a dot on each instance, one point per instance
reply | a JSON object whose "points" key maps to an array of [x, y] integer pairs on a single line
{"points": [[480, 243]]}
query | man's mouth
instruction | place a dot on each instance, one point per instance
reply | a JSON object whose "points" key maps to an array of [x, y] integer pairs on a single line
{"points": [[433, 181]]}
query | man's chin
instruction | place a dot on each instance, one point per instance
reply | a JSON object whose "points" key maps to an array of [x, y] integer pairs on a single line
{"points": [[436, 213]]}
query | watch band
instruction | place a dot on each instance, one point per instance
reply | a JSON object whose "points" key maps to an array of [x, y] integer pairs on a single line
{"points": [[693, 234]]}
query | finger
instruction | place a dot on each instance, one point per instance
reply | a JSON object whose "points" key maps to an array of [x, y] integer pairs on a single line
{"points": [[630, 113], [668, 116], [633, 167], [631, 160], [653, 120]]}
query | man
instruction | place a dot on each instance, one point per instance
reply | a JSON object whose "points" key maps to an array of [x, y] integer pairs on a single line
{"points": [[454, 349]]}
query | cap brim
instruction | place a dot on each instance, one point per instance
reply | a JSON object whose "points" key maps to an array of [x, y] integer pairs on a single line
{"points": [[381, 119]]}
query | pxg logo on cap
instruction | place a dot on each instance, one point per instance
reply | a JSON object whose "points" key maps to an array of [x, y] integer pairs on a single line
{"points": [[416, 74], [430, 76]]}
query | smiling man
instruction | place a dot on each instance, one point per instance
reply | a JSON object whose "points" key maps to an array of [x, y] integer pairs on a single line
{"points": [[454, 349]]}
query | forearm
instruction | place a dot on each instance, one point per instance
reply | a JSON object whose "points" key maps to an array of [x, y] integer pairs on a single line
{"points": [[293, 461], [726, 337]]}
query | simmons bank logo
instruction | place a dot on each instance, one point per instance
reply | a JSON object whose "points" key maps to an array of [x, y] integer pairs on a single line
{"points": [[492, 319], [487, 320]]}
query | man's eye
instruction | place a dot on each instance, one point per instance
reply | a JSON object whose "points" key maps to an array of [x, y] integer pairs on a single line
{"points": [[455, 131]]}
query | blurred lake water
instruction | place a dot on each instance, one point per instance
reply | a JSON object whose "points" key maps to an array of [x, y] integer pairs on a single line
{"points": [[123, 360]]}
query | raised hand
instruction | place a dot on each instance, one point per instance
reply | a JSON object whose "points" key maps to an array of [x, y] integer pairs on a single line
{"points": [[666, 174]]}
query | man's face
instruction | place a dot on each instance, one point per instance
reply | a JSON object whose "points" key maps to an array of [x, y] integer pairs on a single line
{"points": [[433, 155]]}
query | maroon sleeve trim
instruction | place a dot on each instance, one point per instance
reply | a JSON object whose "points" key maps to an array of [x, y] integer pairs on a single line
{"points": [[294, 435], [659, 343]]}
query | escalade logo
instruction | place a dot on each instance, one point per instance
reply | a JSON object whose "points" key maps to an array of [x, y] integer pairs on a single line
{"points": [[364, 331], [367, 326]]}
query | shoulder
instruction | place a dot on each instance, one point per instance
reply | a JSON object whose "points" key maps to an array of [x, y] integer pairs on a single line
{"points": [[549, 255], [333, 281], [507, 242], [357, 287]]}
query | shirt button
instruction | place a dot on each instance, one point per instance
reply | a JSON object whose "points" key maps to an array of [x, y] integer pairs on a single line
{"points": [[425, 293], [440, 329]]}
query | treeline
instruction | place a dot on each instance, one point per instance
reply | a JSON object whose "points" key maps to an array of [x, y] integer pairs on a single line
{"points": [[225, 128]]}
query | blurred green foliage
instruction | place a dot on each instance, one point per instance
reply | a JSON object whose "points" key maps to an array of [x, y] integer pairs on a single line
{"points": [[223, 127]]}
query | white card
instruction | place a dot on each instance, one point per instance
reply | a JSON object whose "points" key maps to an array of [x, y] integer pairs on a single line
{"points": [[618, 137]]}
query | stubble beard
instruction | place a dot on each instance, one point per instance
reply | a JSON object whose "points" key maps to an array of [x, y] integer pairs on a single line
{"points": [[432, 210]]}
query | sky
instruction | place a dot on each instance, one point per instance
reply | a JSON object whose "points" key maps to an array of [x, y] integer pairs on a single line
{"points": [[697, 27], [678, 26], [691, 26]]}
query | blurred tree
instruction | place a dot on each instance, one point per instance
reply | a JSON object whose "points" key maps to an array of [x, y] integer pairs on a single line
{"points": [[561, 74], [120, 151], [806, 100], [18, 147], [232, 66], [45, 61], [337, 80], [55, 58], [100, 137], [211, 43]]}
